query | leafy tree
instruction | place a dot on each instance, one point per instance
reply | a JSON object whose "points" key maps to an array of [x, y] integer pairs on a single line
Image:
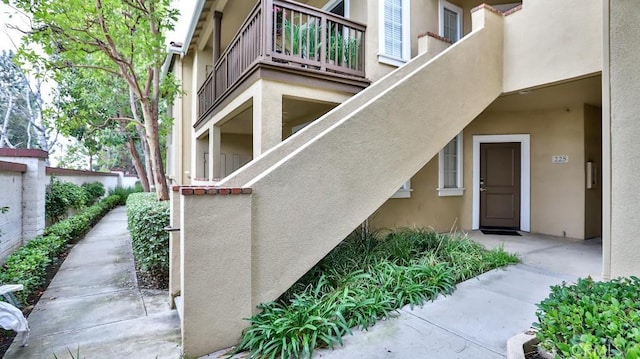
{"points": [[22, 124], [94, 109], [123, 38]]}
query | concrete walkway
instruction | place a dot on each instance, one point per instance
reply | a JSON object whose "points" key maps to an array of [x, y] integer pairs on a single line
{"points": [[94, 305], [484, 312]]}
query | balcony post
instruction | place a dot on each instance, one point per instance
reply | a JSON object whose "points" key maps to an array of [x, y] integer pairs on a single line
{"points": [[217, 27], [267, 27]]}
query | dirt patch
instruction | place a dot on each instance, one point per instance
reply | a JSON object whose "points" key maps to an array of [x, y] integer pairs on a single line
{"points": [[152, 281]]}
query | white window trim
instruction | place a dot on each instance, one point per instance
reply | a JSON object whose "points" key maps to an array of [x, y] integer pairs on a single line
{"points": [[459, 191], [332, 3], [443, 4], [525, 176], [406, 36], [404, 191]]}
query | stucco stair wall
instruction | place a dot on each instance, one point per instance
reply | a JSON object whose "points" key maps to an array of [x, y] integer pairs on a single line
{"points": [[306, 203]]}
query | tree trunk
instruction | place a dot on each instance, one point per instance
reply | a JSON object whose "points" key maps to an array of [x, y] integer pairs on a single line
{"points": [[144, 143], [135, 158], [4, 136], [137, 163], [150, 114]]}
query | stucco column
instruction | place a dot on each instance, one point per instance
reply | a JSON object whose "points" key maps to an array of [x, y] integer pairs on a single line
{"points": [[621, 148], [214, 152], [174, 246], [215, 268], [267, 119], [34, 186]]}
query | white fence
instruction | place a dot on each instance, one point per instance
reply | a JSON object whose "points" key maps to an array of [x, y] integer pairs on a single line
{"points": [[23, 181]]}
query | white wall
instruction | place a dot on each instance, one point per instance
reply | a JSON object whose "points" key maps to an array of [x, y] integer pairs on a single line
{"points": [[10, 222]]}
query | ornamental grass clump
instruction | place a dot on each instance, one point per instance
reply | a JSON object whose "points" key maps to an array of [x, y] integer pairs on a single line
{"points": [[364, 279], [591, 319]]}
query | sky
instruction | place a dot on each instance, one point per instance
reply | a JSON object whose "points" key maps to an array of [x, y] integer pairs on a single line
{"points": [[10, 38]]}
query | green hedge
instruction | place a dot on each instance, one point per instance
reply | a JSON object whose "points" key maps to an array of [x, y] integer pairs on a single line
{"points": [[147, 217], [62, 196], [94, 191], [28, 265], [591, 319]]}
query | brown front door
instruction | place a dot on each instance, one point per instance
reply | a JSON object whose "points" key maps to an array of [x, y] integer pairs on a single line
{"points": [[500, 185]]}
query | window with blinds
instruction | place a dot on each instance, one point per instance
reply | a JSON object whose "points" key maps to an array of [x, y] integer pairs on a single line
{"points": [[450, 21], [450, 168], [393, 28], [450, 164], [394, 38], [450, 25]]}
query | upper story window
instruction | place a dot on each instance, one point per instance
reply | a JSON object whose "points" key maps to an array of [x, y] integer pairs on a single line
{"points": [[395, 44], [450, 18], [450, 168], [338, 7]]}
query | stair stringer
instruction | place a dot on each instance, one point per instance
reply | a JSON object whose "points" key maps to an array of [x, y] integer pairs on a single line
{"points": [[305, 204], [269, 158]]}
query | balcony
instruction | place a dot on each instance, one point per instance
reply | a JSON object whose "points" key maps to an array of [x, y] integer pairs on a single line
{"points": [[288, 37]]}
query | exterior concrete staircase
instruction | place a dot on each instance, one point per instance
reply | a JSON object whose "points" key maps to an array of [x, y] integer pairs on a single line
{"points": [[303, 197]]}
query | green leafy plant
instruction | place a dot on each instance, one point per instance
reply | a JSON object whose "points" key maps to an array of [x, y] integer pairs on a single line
{"points": [[124, 192], [61, 197], [28, 265], [342, 50], [94, 191], [363, 279], [591, 319], [147, 217]]}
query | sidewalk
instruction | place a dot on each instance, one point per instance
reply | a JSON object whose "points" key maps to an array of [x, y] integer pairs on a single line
{"points": [[484, 312], [94, 304]]}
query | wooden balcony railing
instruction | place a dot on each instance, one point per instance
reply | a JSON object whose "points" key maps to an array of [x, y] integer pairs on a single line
{"points": [[287, 33]]}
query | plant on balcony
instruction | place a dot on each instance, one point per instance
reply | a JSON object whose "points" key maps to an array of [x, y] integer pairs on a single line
{"points": [[342, 50]]}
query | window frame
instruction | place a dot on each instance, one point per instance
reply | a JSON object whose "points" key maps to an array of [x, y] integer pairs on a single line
{"points": [[406, 36], [443, 4], [331, 4], [404, 191], [459, 189]]}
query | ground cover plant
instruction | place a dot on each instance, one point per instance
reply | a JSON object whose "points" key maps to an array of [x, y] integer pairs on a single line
{"points": [[591, 320], [147, 218], [124, 192], [364, 279]]}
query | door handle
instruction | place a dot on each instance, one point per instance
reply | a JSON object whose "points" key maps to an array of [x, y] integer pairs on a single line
{"points": [[482, 189]]}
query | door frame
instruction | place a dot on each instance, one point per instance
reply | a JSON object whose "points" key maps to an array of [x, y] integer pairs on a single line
{"points": [[525, 176]]}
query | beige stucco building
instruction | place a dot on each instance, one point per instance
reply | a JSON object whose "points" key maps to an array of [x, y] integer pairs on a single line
{"points": [[300, 121]]}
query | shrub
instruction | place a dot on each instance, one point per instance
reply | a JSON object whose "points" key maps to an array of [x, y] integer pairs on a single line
{"points": [[62, 196], [28, 265], [147, 217], [94, 191], [124, 192], [591, 319], [363, 279]]}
